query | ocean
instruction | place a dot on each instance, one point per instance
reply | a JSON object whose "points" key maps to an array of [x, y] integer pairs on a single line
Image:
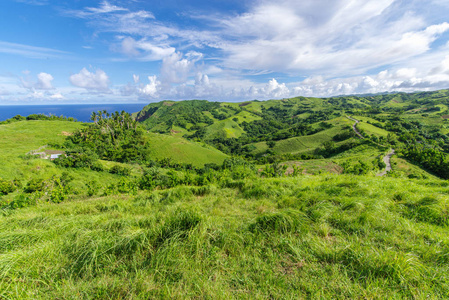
{"points": [[81, 112]]}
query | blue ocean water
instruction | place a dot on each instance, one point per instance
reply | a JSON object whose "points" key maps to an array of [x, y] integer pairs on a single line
{"points": [[81, 112]]}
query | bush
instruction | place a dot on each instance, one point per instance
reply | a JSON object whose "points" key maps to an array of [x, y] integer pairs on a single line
{"points": [[35, 185], [21, 201], [6, 187], [120, 170], [92, 188]]}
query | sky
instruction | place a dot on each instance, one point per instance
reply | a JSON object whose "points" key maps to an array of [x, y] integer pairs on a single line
{"points": [[141, 51]]}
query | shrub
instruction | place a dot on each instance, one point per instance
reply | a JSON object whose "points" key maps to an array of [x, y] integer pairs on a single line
{"points": [[6, 187], [35, 185], [92, 188], [21, 201], [120, 170]]}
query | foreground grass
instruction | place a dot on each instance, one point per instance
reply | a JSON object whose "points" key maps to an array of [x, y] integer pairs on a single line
{"points": [[329, 236]]}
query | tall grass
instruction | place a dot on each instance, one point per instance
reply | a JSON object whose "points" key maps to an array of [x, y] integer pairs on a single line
{"points": [[306, 237]]}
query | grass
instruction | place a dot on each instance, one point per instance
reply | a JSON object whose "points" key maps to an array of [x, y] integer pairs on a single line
{"points": [[329, 236], [19, 138], [182, 151], [372, 130], [304, 143], [225, 128]]}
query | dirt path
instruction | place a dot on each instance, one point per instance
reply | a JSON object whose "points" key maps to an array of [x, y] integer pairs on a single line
{"points": [[354, 126], [387, 162], [386, 157]]}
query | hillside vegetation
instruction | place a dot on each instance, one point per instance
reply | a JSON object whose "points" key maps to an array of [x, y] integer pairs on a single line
{"points": [[254, 200]]}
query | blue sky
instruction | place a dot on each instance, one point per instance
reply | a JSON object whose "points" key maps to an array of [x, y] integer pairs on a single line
{"points": [[85, 51]]}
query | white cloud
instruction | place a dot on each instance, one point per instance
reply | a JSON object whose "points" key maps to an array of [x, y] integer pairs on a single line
{"points": [[30, 51], [104, 8], [150, 89], [34, 2], [144, 50], [44, 81], [57, 96], [98, 81], [176, 69]]}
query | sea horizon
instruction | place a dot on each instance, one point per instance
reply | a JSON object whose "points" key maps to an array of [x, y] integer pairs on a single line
{"points": [[80, 112]]}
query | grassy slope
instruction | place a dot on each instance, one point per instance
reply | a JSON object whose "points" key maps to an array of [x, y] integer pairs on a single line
{"points": [[308, 142], [368, 128], [21, 137], [332, 236], [182, 151], [227, 128]]}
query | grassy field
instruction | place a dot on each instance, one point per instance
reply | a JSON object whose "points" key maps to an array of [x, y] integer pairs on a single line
{"points": [[328, 236], [19, 138], [225, 128], [182, 151], [305, 143]]}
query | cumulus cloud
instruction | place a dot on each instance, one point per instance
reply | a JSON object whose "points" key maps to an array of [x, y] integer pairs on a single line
{"points": [[176, 69], [98, 81], [44, 81], [150, 89]]}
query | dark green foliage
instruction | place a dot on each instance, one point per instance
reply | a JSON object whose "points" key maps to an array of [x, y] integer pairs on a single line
{"points": [[35, 185], [120, 170], [92, 188], [21, 201], [34, 117], [79, 159], [115, 137], [429, 157], [359, 168], [347, 134], [271, 144], [274, 170], [7, 187]]}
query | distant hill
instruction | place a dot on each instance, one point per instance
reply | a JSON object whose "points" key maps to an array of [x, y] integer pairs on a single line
{"points": [[251, 124]]}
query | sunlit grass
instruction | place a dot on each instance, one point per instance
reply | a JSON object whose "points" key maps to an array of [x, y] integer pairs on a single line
{"points": [[329, 236]]}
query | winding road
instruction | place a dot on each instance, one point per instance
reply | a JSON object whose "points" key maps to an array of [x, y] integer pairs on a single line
{"points": [[355, 128], [387, 163], [387, 157]]}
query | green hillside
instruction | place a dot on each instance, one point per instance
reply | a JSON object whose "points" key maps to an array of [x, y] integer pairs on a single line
{"points": [[19, 138], [182, 151], [279, 199]]}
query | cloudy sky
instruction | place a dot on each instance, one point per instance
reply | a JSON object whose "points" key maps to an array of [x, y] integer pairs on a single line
{"points": [[86, 51]]}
